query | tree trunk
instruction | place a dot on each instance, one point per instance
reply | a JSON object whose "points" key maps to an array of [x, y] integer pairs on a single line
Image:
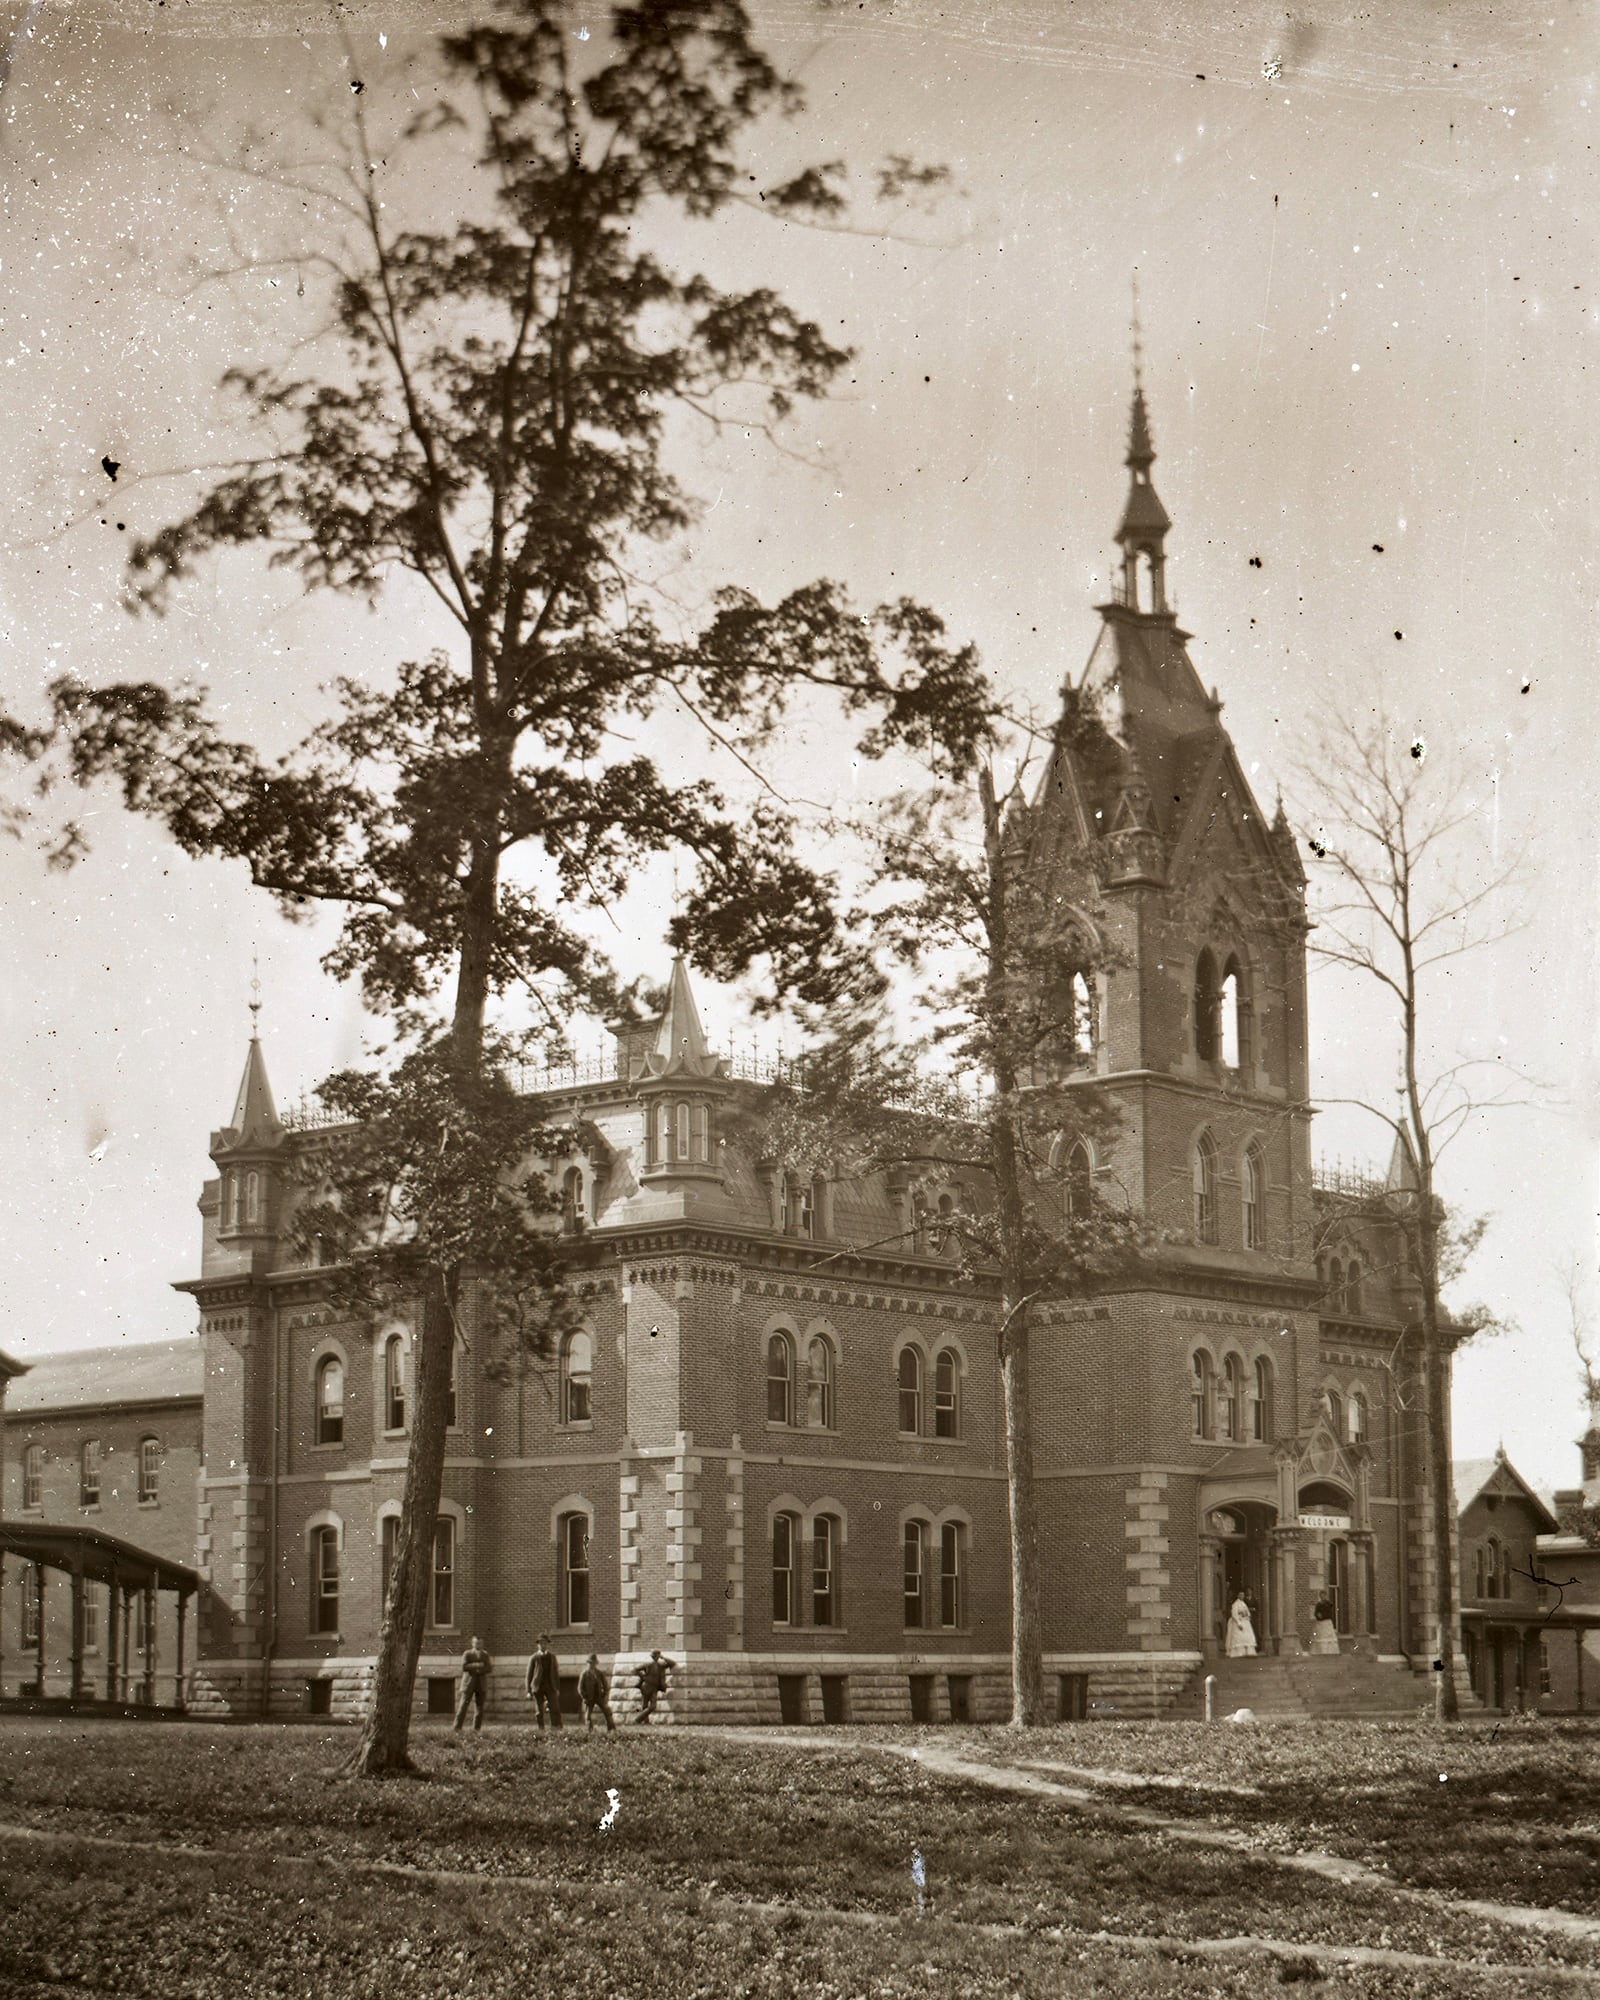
{"points": [[1027, 1638], [1447, 1705], [385, 1736]]}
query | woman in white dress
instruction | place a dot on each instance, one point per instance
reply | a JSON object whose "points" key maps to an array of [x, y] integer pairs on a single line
{"points": [[1241, 1639]]}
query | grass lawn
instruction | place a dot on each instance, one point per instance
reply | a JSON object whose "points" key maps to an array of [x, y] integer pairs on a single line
{"points": [[760, 1869]]}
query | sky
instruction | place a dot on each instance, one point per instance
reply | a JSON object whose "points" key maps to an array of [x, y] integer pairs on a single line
{"points": [[1367, 267]]}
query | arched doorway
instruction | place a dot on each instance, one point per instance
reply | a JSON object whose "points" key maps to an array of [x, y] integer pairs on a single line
{"points": [[1339, 1569], [1239, 1535]]}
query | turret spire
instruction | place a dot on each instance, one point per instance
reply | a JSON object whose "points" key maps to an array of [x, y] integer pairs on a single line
{"points": [[1142, 533]]}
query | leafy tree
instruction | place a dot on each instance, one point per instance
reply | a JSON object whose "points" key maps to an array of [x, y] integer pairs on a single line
{"points": [[1006, 939], [1397, 905], [491, 415]]}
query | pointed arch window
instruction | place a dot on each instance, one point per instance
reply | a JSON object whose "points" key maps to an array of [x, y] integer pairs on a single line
{"points": [[1480, 1566], [780, 1379], [1255, 1193], [394, 1383], [1352, 1287], [819, 1384], [1336, 1284], [1230, 1404], [1333, 1406], [1202, 1394], [1080, 1181], [1206, 1007], [1083, 1021], [577, 1363], [783, 1553], [909, 1377], [1234, 1016], [1357, 1415], [1205, 1188], [330, 1400], [947, 1394], [1261, 1404]]}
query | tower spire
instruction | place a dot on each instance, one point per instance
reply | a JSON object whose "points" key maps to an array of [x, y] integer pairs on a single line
{"points": [[1145, 521]]}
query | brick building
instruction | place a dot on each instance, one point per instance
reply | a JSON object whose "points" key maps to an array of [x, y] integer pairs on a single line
{"points": [[776, 1451]]}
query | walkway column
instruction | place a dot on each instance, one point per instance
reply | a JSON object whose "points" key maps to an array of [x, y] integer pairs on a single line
{"points": [[177, 1690], [2, 1623], [111, 1640], [76, 1581], [1577, 1633], [127, 1634], [149, 1694], [1209, 1545], [38, 1657]]}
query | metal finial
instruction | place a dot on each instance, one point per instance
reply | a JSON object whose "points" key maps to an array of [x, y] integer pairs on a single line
{"points": [[1138, 336], [255, 992]]}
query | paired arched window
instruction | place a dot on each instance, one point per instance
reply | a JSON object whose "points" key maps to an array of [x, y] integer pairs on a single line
{"points": [[1261, 1403], [33, 1476], [909, 1379], [824, 1570], [1254, 1191], [577, 1362], [572, 1579], [1333, 1406], [1206, 1007], [785, 1538], [1352, 1287], [1222, 1018], [89, 1473], [1230, 1404], [780, 1379], [947, 1394], [149, 1471], [1357, 1416], [915, 1569], [394, 1383], [952, 1574], [325, 1579], [330, 1400], [1202, 1394], [572, 1216], [1205, 1188], [444, 1572], [820, 1384], [680, 1131], [1083, 1022]]}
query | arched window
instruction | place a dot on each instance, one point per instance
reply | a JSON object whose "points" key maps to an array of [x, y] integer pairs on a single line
{"points": [[909, 1370], [1205, 1188], [1352, 1288], [1083, 1023], [33, 1476], [947, 1394], [394, 1383], [324, 1580], [149, 1471], [1492, 1579], [1230, 1406], [819, 1384], [572, 1200], [230, 1200], [1335, 1296], [577, 1361], [1254, 1190], [1206, 1007], [1234, 1017], [1261, 1407], [1357, 1432], [330, 1400], [1333, 1404], [702, 1132], [663, 1131], [683, 1131], [952, 1574], [89, 1473], [572, 1585], [1505, 1570], [444, 1571], [1080, 1181], [783, 1553], [780, 1379], [1202, 1394], [1480, 1567], [824, 1570], [915, 1587]]}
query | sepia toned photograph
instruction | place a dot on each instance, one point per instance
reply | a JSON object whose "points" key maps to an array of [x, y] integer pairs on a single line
{"points": [[803, 1118]]}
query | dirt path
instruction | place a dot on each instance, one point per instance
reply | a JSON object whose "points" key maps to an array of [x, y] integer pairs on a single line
{"points": [[1031, 1781]]}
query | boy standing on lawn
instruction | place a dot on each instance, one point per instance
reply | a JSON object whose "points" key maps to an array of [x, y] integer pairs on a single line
{"points": [[475, 1664], [544, 1683], [594, 1694]]}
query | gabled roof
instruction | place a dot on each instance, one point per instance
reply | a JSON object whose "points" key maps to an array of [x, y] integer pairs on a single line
{"points": [[151, 1372], [1472, 1477]]}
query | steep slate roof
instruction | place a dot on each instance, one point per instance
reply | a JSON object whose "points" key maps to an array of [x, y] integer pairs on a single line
{"points": [[1470, 1476], [154, 1371]]}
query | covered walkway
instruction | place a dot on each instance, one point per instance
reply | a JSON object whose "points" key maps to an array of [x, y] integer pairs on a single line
{"points": [[85, 1556], [1504, 1652]]}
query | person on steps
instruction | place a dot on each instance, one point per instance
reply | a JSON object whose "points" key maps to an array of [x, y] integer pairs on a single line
{"points": [[1241, 1640]]}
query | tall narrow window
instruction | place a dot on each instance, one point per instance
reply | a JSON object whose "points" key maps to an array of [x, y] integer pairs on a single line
{"points": [[33, 1476], [915, 1583], [230, 1189], [824, 1556], [1201, 1395], [1228, 1017], [1333, 1403], [797, 1213], [951, 1575], [444, 1571], [1480, 1570], [252, 1197], [324, 1580], [1230, 1405], [946, 1394], [1080, 1181], [576, 1365], [783, 1527], [1205, 1007], [910, 1377], [574, 1569], [1205, 1188], [388, 1547], [1261, 1428], [780, 1379], [1254, 1189], [89, 1473], [1357, 1418], [1336, 1285], [683, 1131], [149, 1471], [1082, 1016], [572, 1200], [1505, 1571], [330, 1400], [702, 1132], [819, 1386], [1352, 1288], [452, 1394], [394, 1383], [663, 1131]]}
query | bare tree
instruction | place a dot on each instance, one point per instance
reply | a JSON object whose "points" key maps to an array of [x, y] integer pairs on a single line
{"points": [[1400, 900]]}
